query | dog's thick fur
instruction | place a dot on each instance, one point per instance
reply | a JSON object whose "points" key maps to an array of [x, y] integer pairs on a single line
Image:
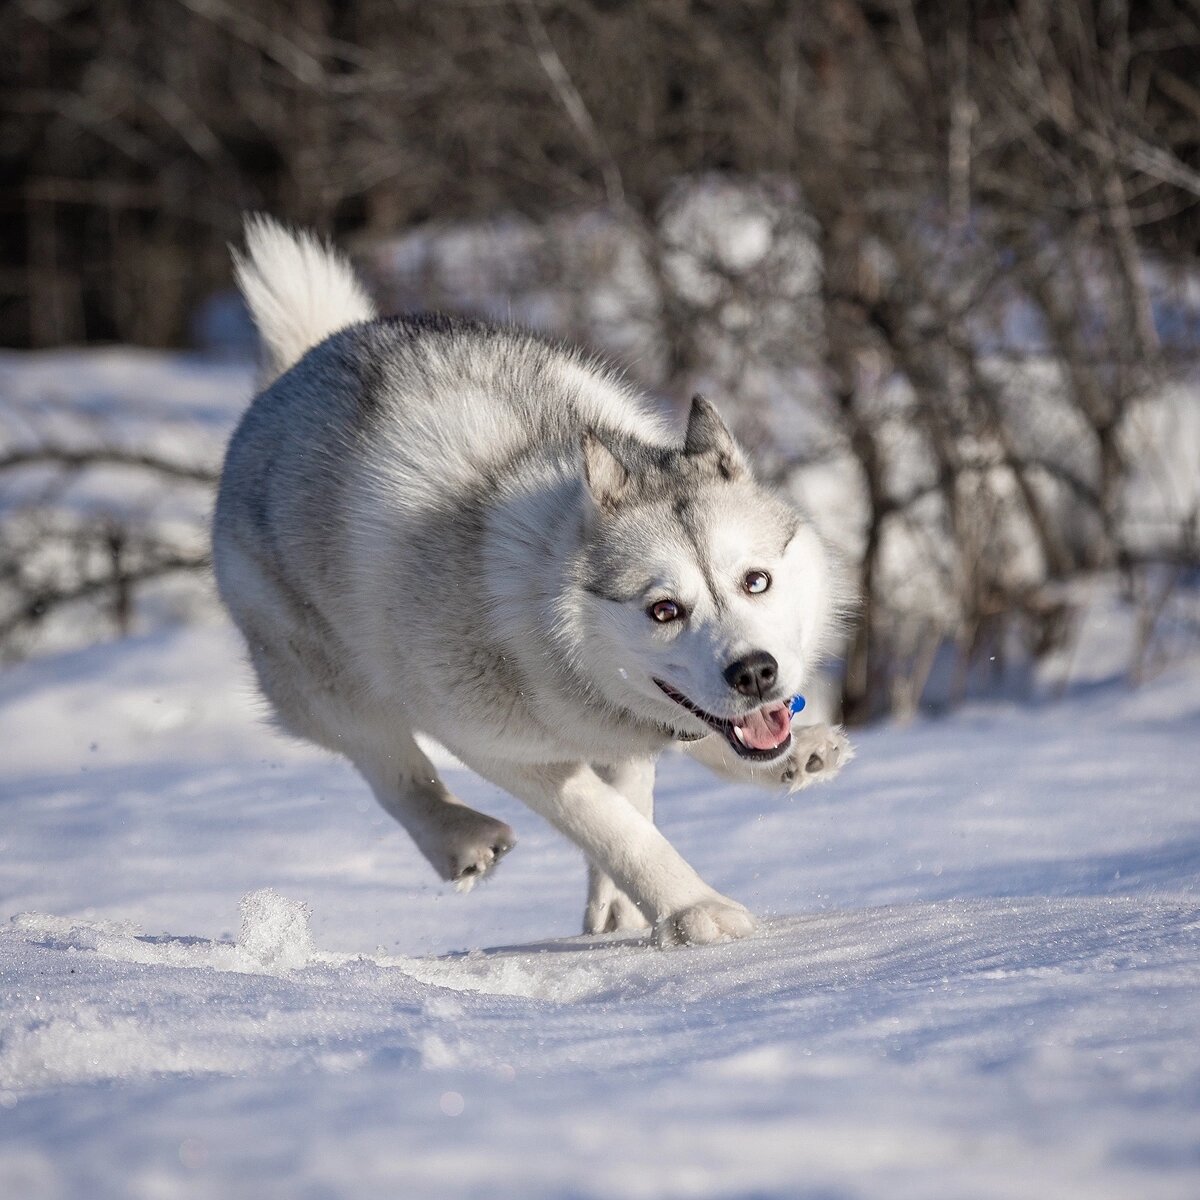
{"points": [[438, 526]]}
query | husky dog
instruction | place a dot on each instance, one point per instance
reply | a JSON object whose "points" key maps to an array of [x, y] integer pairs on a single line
{"points": [[442, 526]]}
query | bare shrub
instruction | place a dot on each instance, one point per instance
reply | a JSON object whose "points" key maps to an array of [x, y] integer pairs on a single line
{"points": [[939, 260]]}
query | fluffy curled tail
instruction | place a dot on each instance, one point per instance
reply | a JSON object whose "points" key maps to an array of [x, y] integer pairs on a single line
{"points": [[298, 288]]}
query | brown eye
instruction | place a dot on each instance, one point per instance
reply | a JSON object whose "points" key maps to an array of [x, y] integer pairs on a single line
{"points": [[756, 582], [663, 611]]}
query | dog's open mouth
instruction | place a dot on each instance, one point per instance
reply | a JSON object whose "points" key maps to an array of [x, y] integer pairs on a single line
{"points": [[764, 734]]}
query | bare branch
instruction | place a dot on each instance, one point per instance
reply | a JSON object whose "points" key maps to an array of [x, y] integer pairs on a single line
{"points": [[60, 456]]}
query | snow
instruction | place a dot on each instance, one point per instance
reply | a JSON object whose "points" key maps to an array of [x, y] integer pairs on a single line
{"points": [[225, 973]]}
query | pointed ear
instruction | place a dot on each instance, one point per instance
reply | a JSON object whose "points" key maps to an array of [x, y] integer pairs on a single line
{"points": [[606, 477], [709, 436]]}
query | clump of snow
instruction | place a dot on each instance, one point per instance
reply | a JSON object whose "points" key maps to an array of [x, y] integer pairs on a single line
{"points": [[275, 930]]}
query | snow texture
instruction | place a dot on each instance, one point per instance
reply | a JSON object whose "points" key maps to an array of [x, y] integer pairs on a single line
{"points": [[979, 975]]}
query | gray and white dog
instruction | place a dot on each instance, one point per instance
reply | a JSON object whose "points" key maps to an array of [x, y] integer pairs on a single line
{"points": [[438, 526]]}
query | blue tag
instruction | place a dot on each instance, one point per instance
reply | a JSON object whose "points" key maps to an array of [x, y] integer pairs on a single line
{"points": [[795, 705]]}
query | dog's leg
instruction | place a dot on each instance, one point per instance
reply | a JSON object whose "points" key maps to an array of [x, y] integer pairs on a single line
{"points": [[626, 846], [608, 908], [461, 844], [818, 753]]}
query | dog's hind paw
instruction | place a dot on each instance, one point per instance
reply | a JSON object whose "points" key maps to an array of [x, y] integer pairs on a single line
{"points": [[612, 911], [819, 752], [473, 847], [715, 920]]}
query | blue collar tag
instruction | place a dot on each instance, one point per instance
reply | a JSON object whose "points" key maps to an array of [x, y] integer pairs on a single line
{"points": [[795, 705]]}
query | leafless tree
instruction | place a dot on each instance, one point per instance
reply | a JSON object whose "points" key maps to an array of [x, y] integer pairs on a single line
{"points": [[973, 227]]}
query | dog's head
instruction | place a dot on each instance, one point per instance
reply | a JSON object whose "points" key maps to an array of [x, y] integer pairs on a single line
{"points": [[704, 598]]}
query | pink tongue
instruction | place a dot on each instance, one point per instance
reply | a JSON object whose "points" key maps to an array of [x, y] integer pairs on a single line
{"points": [[767, 728]]}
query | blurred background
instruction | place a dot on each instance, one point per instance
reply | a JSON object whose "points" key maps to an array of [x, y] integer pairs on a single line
{"points": [[936, 261]]}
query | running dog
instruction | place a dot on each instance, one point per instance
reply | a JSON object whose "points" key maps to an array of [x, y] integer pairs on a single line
{"points": [[440, 526]]}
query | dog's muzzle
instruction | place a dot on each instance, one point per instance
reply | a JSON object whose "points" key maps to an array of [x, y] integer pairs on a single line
{"points": [[761, 736]]}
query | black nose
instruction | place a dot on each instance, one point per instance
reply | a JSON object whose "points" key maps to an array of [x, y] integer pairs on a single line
{"points": [[753, 675]]}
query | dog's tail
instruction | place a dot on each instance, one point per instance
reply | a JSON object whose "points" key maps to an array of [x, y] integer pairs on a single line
{"points": [[299, 290]]}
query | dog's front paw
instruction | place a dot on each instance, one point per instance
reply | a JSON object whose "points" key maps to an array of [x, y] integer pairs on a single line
{"points": [[819, 752], [715, 920]]}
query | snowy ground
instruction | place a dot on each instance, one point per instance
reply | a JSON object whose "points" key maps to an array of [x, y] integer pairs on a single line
{"points": [[979, 975]]}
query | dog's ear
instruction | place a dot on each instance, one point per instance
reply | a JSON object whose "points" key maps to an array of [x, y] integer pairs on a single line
{"points": [[709, 437], [606, 476]]}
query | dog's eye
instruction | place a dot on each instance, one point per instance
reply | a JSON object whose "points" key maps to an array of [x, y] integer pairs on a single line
{"points": [[756, 582], [663, 611]]}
